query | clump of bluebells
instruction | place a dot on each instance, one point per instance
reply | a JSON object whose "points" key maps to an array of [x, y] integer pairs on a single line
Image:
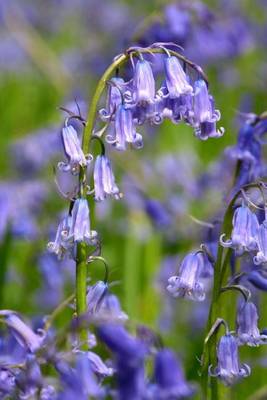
{"points": [[179, 93]]}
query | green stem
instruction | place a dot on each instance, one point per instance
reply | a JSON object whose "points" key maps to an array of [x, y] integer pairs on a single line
{"points": [[81, 277]]}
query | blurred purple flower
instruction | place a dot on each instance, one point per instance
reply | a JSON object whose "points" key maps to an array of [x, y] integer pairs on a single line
{"points": [[247, 326]]}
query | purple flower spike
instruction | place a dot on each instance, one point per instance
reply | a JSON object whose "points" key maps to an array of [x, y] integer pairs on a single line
{"points": [[104, 181], [187, 283], [95, 296], [114, 98], [73, 151], [169, 378], [261, 257], [244, 233], [247, 326], [229, 370], [22, 332], [61, 245], [176, 79], [80, 223], [98, 366], [144, 82], [125, 131]]}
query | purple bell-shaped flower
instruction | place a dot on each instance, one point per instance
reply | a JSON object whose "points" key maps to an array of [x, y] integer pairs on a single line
{"points": [[244, 233], [247, 326], [229, 370], [187, 283]]}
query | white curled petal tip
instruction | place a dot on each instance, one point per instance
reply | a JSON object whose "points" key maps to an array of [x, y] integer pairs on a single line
{"points": [[110, 139], [213, 373], [245, 370], [228, 243], [62, 166], [257, 260]]}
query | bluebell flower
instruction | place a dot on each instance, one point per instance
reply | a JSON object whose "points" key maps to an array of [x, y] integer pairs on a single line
{"points": [[104, 181], [143, 82], [79, 230], [22, 332], [129, 360], [187, 283], [98, 366], [258, 278], [247, 326], [7, 382], [73, 151], [110, 310], [229, 370], [261, 256], [124, 130], [244, 233], [115, 92], [79, 383], [248, 151], [29, 380], [61, 246], [205, 116], [176, 79], [95, 296], [169, 378]]}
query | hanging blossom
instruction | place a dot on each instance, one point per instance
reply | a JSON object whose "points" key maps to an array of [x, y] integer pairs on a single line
{"points": [[187, 283], [73, 151], [104, 181], [244, 233], [169, 378], [129, 354], [73, 229], [247, 326], [229, 370], [26, 337]]}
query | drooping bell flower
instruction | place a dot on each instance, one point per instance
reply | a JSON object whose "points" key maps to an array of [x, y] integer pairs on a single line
{"points": [[187, 283], [129, 356], [169, 378], [98, 366], [116, 89], [80, 230], [26, 337], [104, 181], [247, 326], [125, 130], [228, 369], [61, 245], [79, 382], [176, 79], [143, 82], [261, 256], [95, 296], [204, 114], [73, 151], [244, 233]]}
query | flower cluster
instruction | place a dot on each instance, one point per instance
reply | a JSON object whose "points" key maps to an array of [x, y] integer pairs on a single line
{"points": [[182, 97]]}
